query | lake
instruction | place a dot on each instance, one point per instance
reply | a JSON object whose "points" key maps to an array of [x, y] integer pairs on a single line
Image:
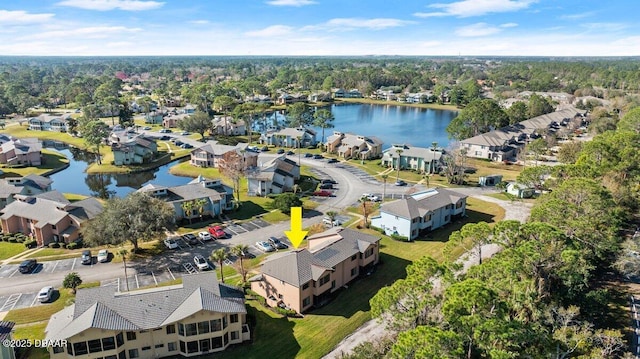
{"points": [[392, 124]]}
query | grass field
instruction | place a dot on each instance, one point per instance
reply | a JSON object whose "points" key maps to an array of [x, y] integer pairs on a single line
{"points": [[8, 250], [52, 160]]}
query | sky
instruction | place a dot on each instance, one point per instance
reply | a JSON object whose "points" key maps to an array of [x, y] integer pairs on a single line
{"points": [[320, 27]]}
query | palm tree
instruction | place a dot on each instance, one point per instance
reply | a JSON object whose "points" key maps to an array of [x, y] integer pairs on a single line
{"points": [[399, 152], [240, 251], [364, 201], [323, 118], [332, 215], [187, 208], [220, 255], [123, 253], [384, 186], [434, 147], [200, 204]]}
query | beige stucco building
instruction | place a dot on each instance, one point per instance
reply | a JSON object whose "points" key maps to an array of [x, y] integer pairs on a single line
{"points": [[197, 317], [349, 145], [304, 278]]}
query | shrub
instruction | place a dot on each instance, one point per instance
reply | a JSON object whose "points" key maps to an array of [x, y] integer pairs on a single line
{"points": [[399, 238], [286, 312], [13, 240], [30, 244], [54, 245], [72, 245]]}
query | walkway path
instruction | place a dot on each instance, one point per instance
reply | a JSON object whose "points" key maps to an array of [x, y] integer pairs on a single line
{"points": [[373, 331]]}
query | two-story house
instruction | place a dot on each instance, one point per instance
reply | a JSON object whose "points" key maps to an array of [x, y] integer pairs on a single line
{"points": [[27, 186], [420, 212], [129, 149], [21, 151], [348, 145], [48, 217], [227, 125], [290, 137], [198, 317], [273, 176], [211, 153], [426, 160], [304, 278], [205, 197], [48, 122]]}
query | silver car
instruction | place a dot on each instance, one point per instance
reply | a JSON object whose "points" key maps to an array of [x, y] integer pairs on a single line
{"points": [[45, 294]]}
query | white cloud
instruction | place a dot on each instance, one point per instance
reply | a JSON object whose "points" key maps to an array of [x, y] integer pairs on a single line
{"points": [[92, 32], [105, 5], [199, 22], [19, 17], [468, 8], [477, 30], [373, 24], [577, 16], [604, 26], [508, 25], [274, 30], [296, 3]]}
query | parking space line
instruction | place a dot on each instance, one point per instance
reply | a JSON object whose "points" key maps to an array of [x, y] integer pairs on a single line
{"points": [[137, 283], [12, 300], [34, 300], [171, 274], [74, 264], [234, 232], [54, 266], [201, 242], [14, 272], [253, 224], [118, 284], [154, 278]]}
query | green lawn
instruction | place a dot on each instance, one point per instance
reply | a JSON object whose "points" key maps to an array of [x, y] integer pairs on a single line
{"points": [[52, 160], [8, 250], [21, 131], [434, 106]]}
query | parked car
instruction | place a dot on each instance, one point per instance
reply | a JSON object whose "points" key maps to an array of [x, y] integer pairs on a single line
{"points": [[253, 148], [400, 183], [280, 151], [146, 128], [165, 138], [327, 221], [318, 157], [201, 262], [185, 133], [27, 266], [205, 236], [86, 257], [326, 186], [103, 255], [308, 155], [178, 143], [186, 145], [265, 246], [290, 153], [328, 180], [333, 160], [264, 149], [173, 139], [217, 232], [45, 294], [277, 243], [165, 130], [322, 193], [371, 197], [190, 238], [171, 243]]}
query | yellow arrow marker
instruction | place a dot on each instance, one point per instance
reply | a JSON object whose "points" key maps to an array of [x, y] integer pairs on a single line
{"points": [[296, 234]]}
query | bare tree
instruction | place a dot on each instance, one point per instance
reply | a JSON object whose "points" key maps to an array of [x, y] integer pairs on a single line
{"points": [[233, 166]]}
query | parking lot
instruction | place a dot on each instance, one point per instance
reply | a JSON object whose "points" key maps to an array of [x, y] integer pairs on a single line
{"points": [[62, 265], [362, 175], [249, 226]]}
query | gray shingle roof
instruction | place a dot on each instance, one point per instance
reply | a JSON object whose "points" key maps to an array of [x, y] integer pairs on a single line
{"points": [[104, 308], [5, 329], [419, 204]]}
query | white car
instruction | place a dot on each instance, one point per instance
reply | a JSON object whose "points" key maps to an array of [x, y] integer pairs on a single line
{"points": [[171, 243], [44, 295], [371, 197], [265, 246], [103, 255], [201, 262], [335, 223], [205, 236]]}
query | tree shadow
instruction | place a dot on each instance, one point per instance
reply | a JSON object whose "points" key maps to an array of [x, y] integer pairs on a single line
{"points": [[247, 210], [442, 234]]}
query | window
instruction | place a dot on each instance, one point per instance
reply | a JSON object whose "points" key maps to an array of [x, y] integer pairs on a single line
{"points": [[57, 350], [354, 257], [427, 217], [171, 329], [111, 357], [171, 346], [224, 321], [306, 301], [159, 346], [235, 335], [181, 329], [305, 286], [122, 355], [216, 325], [203, 327], [146, 348], [333, 284], [324, 280], [216, 342], [192, 347], [354, 271], [233, 318], [95, 346], [205, 345], [368, 253], [459, 205], [53, 226], [133, 353], [446, 218], [226, 338], [183, 348], [191, 329], [131, 336], [108, 343], [80, 348]]}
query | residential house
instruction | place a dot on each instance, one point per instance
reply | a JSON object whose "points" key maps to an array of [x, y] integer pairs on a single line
{"points": [[420, 212], [21, 151], [287, 99], [210, 154], [308, 277], [273, 176], [189, 109], [48, 217], [288, 137], [207, 197], [26, 186], [48, 122], [342, 93], [348, 145], [259, 99], [504, 144], [519, 190], [131, 149], [425, 160], [154, 117], [173, 120], [198, 317], [227, 125], [6, 351], [491, 180], [320, 97]]}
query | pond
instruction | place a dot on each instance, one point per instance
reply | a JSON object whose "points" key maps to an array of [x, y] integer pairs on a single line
{"points": [[74, 179], [390, 123]]}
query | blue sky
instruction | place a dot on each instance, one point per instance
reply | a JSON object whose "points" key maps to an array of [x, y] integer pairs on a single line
{"points": [[320, 27]]}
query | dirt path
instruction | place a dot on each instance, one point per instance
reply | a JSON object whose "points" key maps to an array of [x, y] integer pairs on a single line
{"points": [[373, 331]]}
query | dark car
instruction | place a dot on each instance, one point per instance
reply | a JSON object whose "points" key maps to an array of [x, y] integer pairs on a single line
{"points": [[400, 183], [333, 160], [317, 157], [327, 180], [86, 257], [308, 155], [165, 138], [326, 186], [290, 153], [178, 143], [186, 145], [264, 149], [277, 243], [190, 238], [28, 266], [280, 151]]}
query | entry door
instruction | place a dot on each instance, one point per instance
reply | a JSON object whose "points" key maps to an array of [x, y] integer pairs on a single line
{"points": [[205, 345]]}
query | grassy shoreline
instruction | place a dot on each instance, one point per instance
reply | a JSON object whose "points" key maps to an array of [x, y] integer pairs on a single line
{"points": [[433, 106]]}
